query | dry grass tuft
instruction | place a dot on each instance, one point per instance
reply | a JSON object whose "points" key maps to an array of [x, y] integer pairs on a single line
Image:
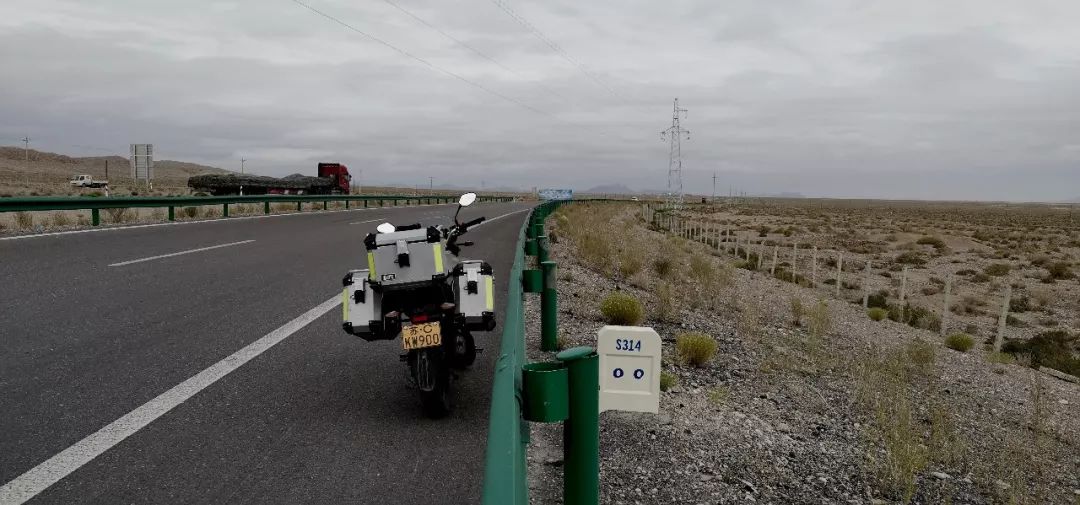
{"points": [[695, 348]]}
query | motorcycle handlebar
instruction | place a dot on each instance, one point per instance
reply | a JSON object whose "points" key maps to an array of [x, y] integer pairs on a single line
{"points": [[474, 222]]}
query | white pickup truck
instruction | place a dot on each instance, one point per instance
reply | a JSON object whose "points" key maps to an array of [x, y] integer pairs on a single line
{"points": [[85, 181]]}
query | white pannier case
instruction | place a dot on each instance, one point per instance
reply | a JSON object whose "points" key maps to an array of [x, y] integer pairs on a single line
{"points": [[361, 306], [474, 290], [404, 259]]}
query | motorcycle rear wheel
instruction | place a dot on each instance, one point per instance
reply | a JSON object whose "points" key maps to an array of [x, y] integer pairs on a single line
{"points": [[437, 402]]}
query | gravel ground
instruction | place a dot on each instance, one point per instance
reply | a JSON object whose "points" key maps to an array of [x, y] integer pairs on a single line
{"points": [[773, 419]]}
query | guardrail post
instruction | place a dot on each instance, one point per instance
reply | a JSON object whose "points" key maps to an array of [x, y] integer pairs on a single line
{"points": [[549, 305], [542, 253], [346, 205], [298, 206], [581, 431], [172, 213], [325, 205], [380, 203], [266, 207], [365, 204], [224, 210], [95, 217]]}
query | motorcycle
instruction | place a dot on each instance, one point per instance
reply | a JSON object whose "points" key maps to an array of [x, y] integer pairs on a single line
{"points": [[416, 287]]}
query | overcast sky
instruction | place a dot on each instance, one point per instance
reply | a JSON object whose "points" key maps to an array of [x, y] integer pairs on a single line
{"points": [[895, 99]]}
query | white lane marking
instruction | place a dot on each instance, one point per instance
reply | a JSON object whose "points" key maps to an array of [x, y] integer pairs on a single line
{"points": [[368, 221], [189, 251], [486, 221], [217, 220], [39, 478]]}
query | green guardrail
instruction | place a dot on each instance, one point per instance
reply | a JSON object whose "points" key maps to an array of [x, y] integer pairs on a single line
{"points": [[95, 204], [505, 468]]}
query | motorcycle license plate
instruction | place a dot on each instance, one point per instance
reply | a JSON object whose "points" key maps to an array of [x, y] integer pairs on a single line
{"points": [[419, 336]]}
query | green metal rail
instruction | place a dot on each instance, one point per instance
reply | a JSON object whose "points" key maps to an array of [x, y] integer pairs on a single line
{"points": [[95, 204], [505, 467]]}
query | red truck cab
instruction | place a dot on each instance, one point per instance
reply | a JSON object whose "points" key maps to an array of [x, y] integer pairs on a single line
{"points": [[340, 175]]}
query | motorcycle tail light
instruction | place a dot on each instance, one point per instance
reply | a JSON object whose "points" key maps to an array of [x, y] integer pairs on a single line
{"points": [[419, 318]]}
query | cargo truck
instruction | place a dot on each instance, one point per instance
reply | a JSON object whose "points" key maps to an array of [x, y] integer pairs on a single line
{"points": [[332, 178]]}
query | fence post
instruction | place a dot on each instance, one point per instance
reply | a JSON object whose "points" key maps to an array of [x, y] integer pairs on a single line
{"points": [[549, 305], [839, 271], [903, 295], [866, 286], [1004, 319], [775, 255], [946, 310], [172, 213], [760, 254], [813, 268], [581, 430], [795, 262]]}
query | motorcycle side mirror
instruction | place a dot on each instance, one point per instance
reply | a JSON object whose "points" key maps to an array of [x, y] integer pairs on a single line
{"points": [[385, 228], [467, 199]]}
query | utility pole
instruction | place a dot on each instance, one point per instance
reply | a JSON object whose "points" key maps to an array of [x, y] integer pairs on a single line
{"points": [[242, 160], [714, 186], [674, 135], [431, 185], [26, 156]]}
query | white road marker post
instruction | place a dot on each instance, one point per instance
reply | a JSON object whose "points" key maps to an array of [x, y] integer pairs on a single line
{"points": [[813, 267], [794, 262], [630, 359], [775, 256]]}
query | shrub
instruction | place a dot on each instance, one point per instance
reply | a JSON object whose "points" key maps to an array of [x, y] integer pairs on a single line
{"points": [[1059, 271], [911, 258], [665, 302], [701, 268], [921, 352], [121, 215], [562, 342], [878, 300], [663, 267], [1051, 349], [191, 212], [1019, 304], [24, 220], [932, 241], [60, 219], [820, 322], [997, 270], [960, 342], [594, 250], [629, 263], [719, 395], [668, 380], [877, 313], [1001, 358], [797, 310], [622, 309], [695, 348]]}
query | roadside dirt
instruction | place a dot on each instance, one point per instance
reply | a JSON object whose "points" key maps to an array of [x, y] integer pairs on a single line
{"points": [[790, 411]]}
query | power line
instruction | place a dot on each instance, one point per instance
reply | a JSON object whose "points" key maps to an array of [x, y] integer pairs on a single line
{"points": [[467, 46], [425, 62], [554, 46]]}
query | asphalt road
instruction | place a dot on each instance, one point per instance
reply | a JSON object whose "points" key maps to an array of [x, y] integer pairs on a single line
{"points": [[321, 417]]}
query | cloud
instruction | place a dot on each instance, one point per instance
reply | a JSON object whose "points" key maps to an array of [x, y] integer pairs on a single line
{"points": [[915, 99]]}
